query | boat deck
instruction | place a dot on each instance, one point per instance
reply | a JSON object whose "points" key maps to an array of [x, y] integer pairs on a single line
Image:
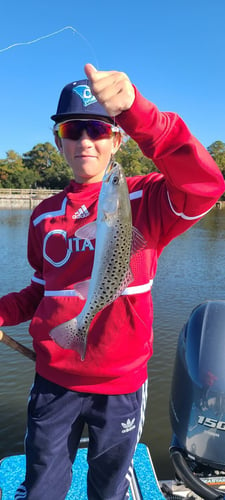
{"points": [[144, 485]]}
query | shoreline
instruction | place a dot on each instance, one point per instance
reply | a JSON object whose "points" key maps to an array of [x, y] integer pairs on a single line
{"points": [[29, 198]]}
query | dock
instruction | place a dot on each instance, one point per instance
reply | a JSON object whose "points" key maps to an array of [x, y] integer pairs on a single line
{"points": [[23, 198], [29, 198]]}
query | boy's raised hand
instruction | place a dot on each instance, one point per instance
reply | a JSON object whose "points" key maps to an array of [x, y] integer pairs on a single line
{"points": [[112, 89]]}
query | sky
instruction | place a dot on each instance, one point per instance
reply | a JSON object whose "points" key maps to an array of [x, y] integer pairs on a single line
{"points": [[173, 51]]}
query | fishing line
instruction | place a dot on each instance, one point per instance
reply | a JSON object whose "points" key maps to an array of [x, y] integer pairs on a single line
{"points": [[50, 35]]}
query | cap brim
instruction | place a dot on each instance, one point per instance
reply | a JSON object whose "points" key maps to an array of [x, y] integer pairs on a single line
{"points": [[63, 117]]}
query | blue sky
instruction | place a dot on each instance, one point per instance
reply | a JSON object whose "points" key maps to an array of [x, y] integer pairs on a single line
{"points": [[173, 51]]}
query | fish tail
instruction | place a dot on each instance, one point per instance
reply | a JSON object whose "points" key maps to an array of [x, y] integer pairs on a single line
{"points": [[79, 344], [68, 335]]}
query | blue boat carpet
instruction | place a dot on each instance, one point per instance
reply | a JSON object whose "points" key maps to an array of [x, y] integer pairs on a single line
{"points": [[12, 471]]}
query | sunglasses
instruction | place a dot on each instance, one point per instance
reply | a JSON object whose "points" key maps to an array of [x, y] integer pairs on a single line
{"points": [[73, 129]]}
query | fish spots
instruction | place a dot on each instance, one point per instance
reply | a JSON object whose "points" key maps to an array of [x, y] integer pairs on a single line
{"points": [[111, 272]]}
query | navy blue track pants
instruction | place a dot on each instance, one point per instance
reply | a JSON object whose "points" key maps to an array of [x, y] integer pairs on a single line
{"points": [[56, 418]]}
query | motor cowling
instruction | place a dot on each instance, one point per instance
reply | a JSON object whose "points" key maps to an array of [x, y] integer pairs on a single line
{"points": [[197, 403]]}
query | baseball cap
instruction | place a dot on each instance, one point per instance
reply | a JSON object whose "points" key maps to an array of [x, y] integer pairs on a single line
{"points": [[77, 101]]}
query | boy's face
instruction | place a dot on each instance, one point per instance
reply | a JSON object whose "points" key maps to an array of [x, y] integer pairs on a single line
{"points": [[88, 157]]}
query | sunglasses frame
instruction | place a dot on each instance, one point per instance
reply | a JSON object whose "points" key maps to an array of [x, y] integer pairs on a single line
{"points": [[113, 128]]}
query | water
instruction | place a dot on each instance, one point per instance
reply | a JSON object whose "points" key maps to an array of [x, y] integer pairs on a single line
{"points": [[191, 270]]}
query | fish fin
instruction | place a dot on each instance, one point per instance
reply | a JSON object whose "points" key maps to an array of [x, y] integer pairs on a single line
{"points": [[126, 281], [82, 288], [87, 232], [138, 241], [67, 336]]}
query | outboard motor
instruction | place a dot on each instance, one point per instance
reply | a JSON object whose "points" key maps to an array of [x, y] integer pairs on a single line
{"points": [[197, 403]]}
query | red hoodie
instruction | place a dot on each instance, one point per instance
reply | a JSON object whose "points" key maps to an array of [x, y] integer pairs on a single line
{"points": [[164, 205]]}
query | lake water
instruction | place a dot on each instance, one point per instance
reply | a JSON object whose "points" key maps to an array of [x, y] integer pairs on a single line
{"points": [[191, 270]]}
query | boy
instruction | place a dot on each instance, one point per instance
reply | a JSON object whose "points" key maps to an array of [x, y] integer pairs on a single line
{"points": [[107, 391]]}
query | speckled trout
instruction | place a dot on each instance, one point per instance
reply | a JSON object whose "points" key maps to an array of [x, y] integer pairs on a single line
{"points": [[116, 240]]}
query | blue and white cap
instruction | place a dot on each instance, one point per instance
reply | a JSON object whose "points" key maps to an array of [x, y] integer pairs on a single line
{"points": [[77, 101]]}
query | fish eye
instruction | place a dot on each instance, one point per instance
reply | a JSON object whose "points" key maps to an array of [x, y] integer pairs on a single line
{"points": [[115, 180]]}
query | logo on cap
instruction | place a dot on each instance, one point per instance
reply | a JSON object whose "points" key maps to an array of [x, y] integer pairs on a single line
{"points": [[85, 94]]}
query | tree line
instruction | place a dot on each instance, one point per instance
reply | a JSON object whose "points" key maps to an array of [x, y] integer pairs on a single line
{"points": [[44, 167]]}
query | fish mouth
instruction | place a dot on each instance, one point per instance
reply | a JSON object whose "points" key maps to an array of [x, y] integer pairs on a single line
{"points": [[112, 165]]}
